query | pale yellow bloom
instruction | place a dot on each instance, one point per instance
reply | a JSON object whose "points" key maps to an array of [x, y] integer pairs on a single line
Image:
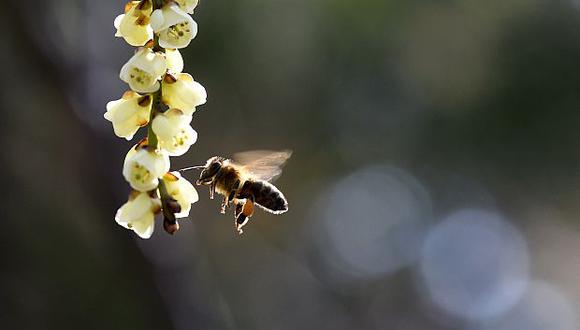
{"points": [[138, 214], [180, 91], [174, 134], [143, 70], [143, 168], [175, 28], [174, 60], [182, 191], [133, 26], [129, 113], [187, 5]]}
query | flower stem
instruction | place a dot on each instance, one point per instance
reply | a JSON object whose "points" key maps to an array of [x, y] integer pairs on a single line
{"points": [[151, 136], [157, 105], [163, 192], [169, 205]]}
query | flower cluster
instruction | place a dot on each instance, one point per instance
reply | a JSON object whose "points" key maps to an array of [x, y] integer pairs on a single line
{"points": [[161, 99]]}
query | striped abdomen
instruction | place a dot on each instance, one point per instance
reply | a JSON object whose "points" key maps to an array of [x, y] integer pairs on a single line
{"points": [[265, 195]]}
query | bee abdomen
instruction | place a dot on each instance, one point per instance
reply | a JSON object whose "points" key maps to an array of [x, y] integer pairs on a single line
{"points": [[267, 196]]}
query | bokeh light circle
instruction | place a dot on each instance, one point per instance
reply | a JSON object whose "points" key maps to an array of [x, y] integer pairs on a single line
{"points": [[375, 220], [543, 307], [474, 265]]}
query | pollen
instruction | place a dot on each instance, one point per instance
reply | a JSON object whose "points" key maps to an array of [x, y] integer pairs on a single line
{"points": [[141, 174], [141, 77], [180, 138], [179, 31]]}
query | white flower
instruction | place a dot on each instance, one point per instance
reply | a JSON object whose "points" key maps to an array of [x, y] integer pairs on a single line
{"points": [[187, 5], [138, 214], [129, 113], [134, 25], [143, 168], [182, 92], [143, 70], [175, 28], [173, 132], [182, 191], [174, 60]]}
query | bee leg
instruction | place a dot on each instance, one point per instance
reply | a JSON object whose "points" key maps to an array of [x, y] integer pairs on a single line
{"points": [[233, 192], [230, 197], [224, 205], [239, 207], [238, 213], [212, 190], [244, 216]]}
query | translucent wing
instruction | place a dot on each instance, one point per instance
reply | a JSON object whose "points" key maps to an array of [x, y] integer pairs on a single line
{"points": [[263, 164]]}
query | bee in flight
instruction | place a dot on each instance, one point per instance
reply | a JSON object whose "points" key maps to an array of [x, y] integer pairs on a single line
{"points": [[244, 181]]}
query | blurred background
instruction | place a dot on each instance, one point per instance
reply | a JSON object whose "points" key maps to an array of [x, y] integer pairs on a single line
{"points": [[435, 180]]}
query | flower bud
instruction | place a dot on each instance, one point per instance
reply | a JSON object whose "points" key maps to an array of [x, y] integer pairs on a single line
{"points": [[171, 227], [172, 206]]}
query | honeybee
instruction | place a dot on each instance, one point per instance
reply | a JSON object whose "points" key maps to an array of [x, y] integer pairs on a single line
{"points": [[244, 181]]}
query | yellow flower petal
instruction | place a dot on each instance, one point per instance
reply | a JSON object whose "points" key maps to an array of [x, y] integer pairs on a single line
{"points": [[128, 114], [176, 29], [174, 60], [174, 134], [133, 26], [143, 168], [187, 5], [183, 93], [138, 214], [184, 192], [143, 71]]}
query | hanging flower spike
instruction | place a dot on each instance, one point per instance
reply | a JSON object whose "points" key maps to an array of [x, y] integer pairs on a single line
{"points": [[159, 28], [182, 191], [143, 70], [182, 92], [133, 26], [175, 28], [138, 214], [143, 168], [174, 60], [174, 134], [129, 113], [187, 5]]}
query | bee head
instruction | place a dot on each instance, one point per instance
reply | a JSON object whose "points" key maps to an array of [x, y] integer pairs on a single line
{"points": [[212, 167]]}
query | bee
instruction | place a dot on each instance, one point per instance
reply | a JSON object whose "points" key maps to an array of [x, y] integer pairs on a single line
{"points": [[245, 180]]}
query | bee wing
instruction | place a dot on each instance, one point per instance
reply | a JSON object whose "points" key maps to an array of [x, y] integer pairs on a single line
{"points": [[263, 164]]}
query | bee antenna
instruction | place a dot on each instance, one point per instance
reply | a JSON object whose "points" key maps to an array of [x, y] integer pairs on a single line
{"points": [[191, 168]]}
